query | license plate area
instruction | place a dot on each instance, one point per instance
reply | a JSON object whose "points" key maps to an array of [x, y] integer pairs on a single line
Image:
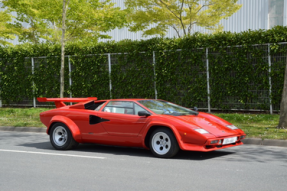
{"points": [[229, 140]]}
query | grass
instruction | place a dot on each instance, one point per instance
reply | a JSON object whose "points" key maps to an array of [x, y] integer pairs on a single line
{"points": [[257, 125], [254, 125], [21, 117]]}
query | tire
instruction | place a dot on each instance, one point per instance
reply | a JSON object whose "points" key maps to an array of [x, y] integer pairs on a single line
{"points": [[163, 143], [61, 137]]}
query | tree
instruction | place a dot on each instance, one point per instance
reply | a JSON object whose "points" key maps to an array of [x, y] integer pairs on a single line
{"points": [[65, 6], [85, 19], [283, 105], [30, 28], [58, 21], [7, 30], [181, 15]]}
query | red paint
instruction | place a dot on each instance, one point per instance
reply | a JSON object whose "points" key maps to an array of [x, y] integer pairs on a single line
{"points": [[59, 102], [131, 130], [68, 122]]}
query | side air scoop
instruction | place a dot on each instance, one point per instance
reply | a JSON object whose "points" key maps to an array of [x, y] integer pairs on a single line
{"points": [[59, 102]]}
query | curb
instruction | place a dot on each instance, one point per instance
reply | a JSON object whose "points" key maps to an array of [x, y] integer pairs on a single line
{"points": [[266, 142], [24, 129], [251, 141]]}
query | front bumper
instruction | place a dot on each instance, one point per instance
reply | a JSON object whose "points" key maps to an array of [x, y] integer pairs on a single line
{"points": [[209, 146]]}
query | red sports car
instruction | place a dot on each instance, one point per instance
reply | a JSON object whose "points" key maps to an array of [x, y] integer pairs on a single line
{"points": [[158, 125]]}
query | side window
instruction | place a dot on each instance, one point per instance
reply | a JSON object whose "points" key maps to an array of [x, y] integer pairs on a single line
{"points": [[139, 108], [123, 107], [99, 106]]}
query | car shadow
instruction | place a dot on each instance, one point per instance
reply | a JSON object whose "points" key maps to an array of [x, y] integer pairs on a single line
{"points": [[41, 145], [130, 151], [195, 155], [183, 155]]}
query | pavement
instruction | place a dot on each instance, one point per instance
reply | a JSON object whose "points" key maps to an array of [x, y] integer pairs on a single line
{"points": [[28, 161], [251, 141]]}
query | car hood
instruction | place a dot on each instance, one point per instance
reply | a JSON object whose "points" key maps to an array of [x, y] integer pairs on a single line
{"points": [[212, 124]]}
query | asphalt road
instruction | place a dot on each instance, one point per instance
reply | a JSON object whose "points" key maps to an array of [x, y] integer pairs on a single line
{"points": [[29, 162]]}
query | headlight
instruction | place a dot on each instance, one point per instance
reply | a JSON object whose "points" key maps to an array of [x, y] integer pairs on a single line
{"points": [[231, 127], [201, 131]]}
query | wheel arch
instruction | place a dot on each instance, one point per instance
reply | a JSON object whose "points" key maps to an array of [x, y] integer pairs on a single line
{"points": [[76, 133], [153, 127]]}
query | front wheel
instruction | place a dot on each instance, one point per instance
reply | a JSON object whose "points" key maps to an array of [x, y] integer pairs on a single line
{"points": [[163, 143], [61, 137]]}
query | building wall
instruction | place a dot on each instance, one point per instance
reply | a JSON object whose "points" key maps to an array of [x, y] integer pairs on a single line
{"points": [[254, 15]]}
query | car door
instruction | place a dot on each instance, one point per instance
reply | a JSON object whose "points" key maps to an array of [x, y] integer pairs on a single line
{"points": [[123, 119], [89, 124]]}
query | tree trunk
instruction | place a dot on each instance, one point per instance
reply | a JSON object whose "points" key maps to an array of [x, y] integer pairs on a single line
{"points": [[63, 49], [283, 105]]}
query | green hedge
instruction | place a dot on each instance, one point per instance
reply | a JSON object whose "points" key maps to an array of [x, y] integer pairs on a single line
{"points": [[132, 75], [181, 77], [90, 76], [239, 76], [278, 60]]}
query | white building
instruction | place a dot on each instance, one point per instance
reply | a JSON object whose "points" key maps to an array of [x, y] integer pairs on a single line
{"points": [[254, 15]]}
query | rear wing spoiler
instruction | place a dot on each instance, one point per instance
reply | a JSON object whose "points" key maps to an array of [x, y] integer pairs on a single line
{"points": [[59, 102]]}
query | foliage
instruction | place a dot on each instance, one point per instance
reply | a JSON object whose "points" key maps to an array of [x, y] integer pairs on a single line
{"points": [[181, 77], [278, 60], [181, 15], [46, 77], [85, 19], [7, 31], [245, 84], [26, 15], [16, 78], [90, 76], [239, 75], [136, 71]]}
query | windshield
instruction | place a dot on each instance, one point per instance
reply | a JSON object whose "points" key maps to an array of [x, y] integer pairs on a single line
{"points": [[167, 108]]}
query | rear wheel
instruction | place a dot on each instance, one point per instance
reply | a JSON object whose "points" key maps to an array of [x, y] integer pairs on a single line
{"points": [[163, 143], [61, 137]]}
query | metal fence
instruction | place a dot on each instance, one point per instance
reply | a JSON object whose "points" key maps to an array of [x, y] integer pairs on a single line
{"points": [[274, 60]]}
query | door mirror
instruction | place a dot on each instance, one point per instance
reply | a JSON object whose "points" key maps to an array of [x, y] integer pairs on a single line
{"points": [[143, 113]]}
